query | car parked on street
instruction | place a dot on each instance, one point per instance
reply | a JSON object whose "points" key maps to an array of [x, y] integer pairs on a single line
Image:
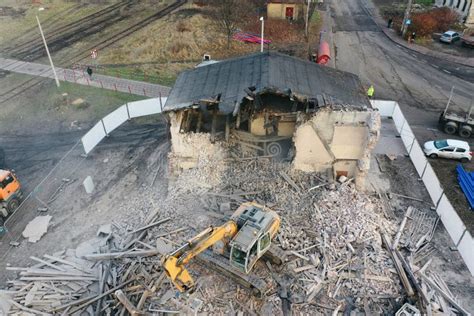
{"points": [[450, 37], [448, 148]]}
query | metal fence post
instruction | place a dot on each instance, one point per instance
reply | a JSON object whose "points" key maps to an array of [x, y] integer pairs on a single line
{"points": [[411, 147], [401, 129], [105, 130], [128, 111], [424, 169]]}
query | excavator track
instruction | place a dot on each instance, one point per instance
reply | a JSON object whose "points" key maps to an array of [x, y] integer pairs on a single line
{"points": [[275, 255], [221, 264]]}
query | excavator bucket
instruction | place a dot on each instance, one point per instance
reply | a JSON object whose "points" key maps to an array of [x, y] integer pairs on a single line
{"points": [[178, 274]]}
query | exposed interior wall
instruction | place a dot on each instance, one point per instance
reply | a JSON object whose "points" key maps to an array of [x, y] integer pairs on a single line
{"points": [[328, 141], [311, 152], [337, 140], [349, 142], [188, 149], [285, 125]]}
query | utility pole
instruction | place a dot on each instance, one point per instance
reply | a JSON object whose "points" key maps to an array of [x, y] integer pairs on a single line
{"points": [[261, 35], [406, 17], [307, 19], [47, 52]]}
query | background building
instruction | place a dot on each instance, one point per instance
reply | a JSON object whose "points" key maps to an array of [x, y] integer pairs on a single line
{"points": [[285, 9], [463, 7]]}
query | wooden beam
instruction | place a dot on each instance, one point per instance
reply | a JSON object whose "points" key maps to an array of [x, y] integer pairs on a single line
{"points": [[127, 304], [445, 295], [398, 265], [149, 226], [125, 254]]}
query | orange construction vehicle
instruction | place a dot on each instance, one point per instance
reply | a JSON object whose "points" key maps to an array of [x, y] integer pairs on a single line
{"points": [[10, 193]]}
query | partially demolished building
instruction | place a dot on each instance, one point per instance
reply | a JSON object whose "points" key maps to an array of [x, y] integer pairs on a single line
{"points": [[270, 104]]}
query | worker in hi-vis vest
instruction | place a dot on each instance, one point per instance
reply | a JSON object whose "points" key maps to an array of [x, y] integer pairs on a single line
{"points": [[370, 91]]}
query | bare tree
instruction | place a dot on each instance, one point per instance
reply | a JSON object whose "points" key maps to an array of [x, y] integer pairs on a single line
{"points": [[228, 14]]}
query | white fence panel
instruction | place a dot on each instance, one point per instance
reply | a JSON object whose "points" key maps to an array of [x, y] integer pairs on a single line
{"points": [[398, 118], [385, 108], [451, 220], [407, 136], [466, 249], [115, 119], [418, 158], [432, 184], [93, 137], [145, 107]]}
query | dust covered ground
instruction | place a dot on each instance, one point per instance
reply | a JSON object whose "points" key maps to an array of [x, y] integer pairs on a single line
{"points": [[331, 232]]}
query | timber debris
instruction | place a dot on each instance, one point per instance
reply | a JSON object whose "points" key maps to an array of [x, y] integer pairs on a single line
{"points": [[338, 241]]}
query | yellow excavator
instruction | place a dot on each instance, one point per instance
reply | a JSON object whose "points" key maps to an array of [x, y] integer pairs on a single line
{"points": [[237, 246]]}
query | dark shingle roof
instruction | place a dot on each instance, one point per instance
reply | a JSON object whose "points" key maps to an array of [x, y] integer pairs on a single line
{"points": [[268, 71]]}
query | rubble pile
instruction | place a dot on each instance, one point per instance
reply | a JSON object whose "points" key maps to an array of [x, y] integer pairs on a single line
{"points": [[339, 256]]}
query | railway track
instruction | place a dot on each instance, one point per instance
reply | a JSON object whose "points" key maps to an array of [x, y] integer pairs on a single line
{"points": [[60, 37], [84, 54]]}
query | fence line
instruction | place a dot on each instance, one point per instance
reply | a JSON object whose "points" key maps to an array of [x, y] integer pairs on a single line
{"points": [[450, 218], [116, 118]]}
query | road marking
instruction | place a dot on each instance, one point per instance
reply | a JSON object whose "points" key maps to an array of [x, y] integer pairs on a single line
{"points": [[414, 55], [434, 66], [447, 71]]}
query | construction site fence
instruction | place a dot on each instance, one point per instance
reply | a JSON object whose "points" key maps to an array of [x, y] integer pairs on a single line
{"points": [[116, 118], [141, 86], [448, 215], [130, 72]]}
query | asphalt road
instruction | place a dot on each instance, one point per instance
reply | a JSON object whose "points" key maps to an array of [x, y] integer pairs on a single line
{"points": [[421, 84]]}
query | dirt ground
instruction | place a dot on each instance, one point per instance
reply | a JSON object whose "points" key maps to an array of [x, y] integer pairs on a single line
{"points": [[403, 179], [38, 129], [130, 173]]}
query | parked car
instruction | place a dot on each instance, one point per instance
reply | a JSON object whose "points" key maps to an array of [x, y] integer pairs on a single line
{"points": [[450, 37], [448, 148]]}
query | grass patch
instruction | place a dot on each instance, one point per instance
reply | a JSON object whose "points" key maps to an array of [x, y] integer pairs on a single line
{"points": [[47, 107], [13, 26]]}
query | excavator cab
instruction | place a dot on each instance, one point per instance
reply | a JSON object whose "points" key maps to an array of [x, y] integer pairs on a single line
{"points": [[253, 238], [245, 260]]}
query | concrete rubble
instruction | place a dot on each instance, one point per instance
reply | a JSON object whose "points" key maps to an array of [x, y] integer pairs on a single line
{"points": [[338, 240], [36, 228]]}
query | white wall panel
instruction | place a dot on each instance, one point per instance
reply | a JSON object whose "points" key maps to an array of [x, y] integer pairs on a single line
{"points": [[385, 107], [115, 119], [93, 137], [432, 184], [145, 107], [466, 249], [450, 219]]}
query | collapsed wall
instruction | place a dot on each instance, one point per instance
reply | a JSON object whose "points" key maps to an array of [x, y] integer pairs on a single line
{"points": [[189, 150], [333, 142]]}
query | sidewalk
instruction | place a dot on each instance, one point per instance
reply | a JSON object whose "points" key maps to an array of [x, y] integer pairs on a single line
{"points": [[391, 34], [80, 77]]}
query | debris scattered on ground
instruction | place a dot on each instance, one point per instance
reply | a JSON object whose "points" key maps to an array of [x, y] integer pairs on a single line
{"points": [[78, 101], [338, 243], [36, 228]]}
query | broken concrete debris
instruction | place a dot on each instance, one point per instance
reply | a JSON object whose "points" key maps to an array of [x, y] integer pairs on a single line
{"points": [[337, 259], [36, 228]]}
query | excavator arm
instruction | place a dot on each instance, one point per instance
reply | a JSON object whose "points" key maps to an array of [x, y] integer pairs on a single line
{"points": [[174, 263]]}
